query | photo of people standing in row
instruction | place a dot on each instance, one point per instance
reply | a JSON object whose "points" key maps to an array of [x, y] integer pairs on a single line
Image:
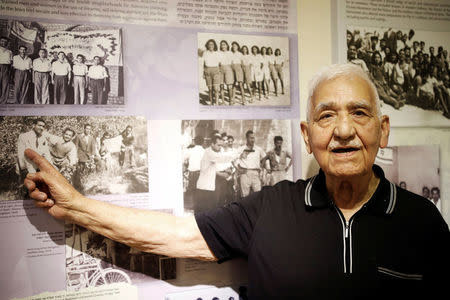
{"points": [[42, 64], [409, 68], [98, 155], [229, 159], [243, 70]]}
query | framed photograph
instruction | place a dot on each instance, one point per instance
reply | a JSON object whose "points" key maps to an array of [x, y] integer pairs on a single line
{"points": [[52, 63], [224, 160], [243, 70], [98, 155], [410, 69]]}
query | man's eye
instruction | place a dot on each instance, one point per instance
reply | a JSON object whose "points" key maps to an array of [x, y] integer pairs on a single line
{"points": [[360, 113], [325, 116]]}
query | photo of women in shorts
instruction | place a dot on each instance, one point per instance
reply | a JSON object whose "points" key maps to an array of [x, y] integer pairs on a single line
{"points": [[241, 70], [212, 73]]}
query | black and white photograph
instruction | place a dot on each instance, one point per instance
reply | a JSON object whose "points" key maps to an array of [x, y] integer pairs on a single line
{"points": [[243, 70], [224, 160], [410, 69], [98, 155], [406, 167], [94, 260], [51, 63]]}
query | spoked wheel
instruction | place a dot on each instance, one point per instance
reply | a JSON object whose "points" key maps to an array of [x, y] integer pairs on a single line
{"points": [[109, 276]]}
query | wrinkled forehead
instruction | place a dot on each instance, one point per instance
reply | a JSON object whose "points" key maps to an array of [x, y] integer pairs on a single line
{"points": [[343, 89]]}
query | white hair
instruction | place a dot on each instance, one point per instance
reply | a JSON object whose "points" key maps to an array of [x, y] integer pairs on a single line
{"points": [[337, 70]]}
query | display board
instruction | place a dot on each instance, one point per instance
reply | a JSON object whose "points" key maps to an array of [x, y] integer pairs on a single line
{"points": [[114, 95]]}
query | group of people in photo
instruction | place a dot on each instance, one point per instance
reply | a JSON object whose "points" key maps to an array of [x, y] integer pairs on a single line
{"points": [[256, 73], [217, 172], [73, 154], [52, 77], [404, 70]]}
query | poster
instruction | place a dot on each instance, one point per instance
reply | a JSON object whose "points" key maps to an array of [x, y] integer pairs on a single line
{"points": [[404, 49], [145, 59]]}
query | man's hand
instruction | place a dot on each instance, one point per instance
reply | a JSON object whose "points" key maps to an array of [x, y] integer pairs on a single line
{"points": [[48, 188]]}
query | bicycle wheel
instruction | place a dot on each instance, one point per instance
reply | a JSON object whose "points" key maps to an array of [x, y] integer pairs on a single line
{"points": [[109, 276]]}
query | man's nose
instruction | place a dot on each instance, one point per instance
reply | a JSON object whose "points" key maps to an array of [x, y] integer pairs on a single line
{"points": [[344, 127]]}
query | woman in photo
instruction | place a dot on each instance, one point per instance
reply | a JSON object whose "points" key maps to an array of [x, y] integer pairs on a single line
{"points": [[377, 73], [257, 72], [227, 71], [211, 71], [266, 72], [236, 65], [272, 70], [279, 64], [247, 68]]}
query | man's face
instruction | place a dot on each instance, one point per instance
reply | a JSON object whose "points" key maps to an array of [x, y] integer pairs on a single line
{"points": [[351, 53], [344, 130], [251, 140], [22, 51], [87, 130], [426, 193], [96, 61], [377, 58], [3, 42], [68, 135], [431, 50], [79, 59], [278, 144], [39, 128], [42, 54], [61, 56], [435, 195], [230, 142], [407, 52], [217, 145]]}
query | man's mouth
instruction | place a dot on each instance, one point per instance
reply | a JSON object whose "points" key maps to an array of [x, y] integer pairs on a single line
{"points": [[344, 150]]}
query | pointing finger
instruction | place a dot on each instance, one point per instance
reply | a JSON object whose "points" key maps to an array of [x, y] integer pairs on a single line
{"points": [[41, 162]]}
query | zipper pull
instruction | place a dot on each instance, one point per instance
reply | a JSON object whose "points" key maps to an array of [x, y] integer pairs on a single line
{"points": [[346, 229]]}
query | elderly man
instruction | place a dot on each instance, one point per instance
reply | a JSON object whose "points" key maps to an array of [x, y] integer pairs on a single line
{"points": [[346, 233]]}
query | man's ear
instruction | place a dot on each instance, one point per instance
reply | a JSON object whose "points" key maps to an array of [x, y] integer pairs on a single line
{"points": [[305, 134], [385, 129]]}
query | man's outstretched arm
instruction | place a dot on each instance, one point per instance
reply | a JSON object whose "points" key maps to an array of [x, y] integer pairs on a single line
{"points": [[145, 230]]}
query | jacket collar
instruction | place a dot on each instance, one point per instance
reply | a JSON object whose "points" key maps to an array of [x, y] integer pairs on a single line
{"points": [[382, 201]]}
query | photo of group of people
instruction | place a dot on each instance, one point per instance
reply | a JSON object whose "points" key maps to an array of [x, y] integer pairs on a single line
{"points": [[94, 260], [243, 70], [98, 155], [410, 68], [224, 160], [43, 63], [397, 164]]}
